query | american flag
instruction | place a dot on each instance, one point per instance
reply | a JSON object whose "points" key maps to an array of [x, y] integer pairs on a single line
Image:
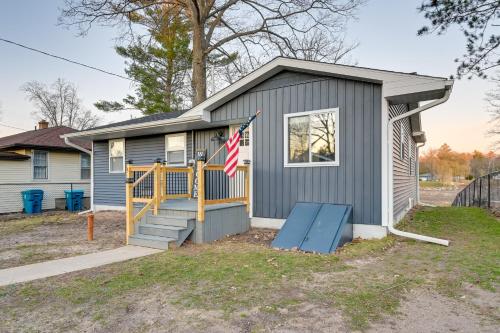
{"points": [[233, 148]]}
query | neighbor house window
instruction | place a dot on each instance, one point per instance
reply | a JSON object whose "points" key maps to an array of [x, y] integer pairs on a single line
{"points": [[117, 156], [175, 149], [40, 164], [84, 166], [311, 138]]}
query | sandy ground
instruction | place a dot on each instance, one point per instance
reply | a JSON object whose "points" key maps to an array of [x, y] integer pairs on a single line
{"points": [[63, 234], [438, 196], [427, 311]]}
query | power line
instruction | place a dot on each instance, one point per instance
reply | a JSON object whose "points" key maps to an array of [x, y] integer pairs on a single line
{"points": [[5, 125], [65, 59]]}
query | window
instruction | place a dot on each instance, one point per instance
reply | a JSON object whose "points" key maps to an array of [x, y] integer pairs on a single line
{"points": [[175, 149], [117, 156], [84, 166], [311, 138], [40, 165], [245, 138]]}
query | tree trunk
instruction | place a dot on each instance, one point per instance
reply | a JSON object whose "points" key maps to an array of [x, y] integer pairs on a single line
{"points": [[168, 85], [199, 63]]}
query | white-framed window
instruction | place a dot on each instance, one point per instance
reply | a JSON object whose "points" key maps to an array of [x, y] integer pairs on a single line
{"points": [[117, 156], [175, 149], [245, 138], [84, 166], [40, 164], [311, 138]]}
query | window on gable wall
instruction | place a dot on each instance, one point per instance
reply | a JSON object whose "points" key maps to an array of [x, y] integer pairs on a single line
{"points": [[311, 138]]}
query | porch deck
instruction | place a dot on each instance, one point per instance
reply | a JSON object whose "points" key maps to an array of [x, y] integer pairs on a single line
{"points": [[191, 205]]}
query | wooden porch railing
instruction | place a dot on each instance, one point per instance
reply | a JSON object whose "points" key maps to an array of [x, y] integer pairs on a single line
{"points": [[215, 187], [152, 185]]}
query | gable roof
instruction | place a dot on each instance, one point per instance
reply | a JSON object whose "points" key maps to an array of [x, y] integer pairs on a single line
{"points": [[397, 88], [47, 138]]}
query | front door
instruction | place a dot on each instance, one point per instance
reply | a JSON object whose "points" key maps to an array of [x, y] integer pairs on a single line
{"points": [[237, 183]]}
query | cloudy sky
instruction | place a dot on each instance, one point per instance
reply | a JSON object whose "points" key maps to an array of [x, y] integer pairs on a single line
{"points": [[385, 30]]}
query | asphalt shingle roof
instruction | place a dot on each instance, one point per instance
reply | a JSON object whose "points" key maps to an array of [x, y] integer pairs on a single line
{"points": [[145, 119], [42, 138]]}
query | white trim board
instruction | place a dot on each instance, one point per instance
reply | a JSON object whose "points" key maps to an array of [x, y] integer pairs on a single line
{"points": [[98, 208], [364, 231]]}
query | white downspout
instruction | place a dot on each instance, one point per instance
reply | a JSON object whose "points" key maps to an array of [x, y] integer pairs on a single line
{"points": [[390, 140], [80, 148], [417, 170]]}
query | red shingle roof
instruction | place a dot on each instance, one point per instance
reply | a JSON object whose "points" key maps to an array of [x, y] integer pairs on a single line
{"points": [[47, 138]]}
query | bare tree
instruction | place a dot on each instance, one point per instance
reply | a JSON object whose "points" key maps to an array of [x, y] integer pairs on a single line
{"points": [[59, 104], [218, 27]]}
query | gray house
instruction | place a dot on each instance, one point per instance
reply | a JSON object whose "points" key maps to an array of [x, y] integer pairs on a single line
{"points": [[327, 133]]}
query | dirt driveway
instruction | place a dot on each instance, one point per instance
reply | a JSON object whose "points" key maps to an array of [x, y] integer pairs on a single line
{"points": [[57, 234]]}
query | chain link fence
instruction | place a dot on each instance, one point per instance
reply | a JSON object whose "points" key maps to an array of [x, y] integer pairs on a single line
{"points": [[481, 192]]}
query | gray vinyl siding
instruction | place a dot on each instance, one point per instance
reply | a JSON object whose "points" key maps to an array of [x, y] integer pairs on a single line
{"points": [[355, 181], [404, 175], [109, 188]]}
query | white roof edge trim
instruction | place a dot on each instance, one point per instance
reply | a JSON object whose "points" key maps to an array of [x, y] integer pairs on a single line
{"points": [[377, 75], [144, 125]]}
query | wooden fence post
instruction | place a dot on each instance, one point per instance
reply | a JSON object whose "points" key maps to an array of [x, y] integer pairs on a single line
{"points": [[157, 186], [201, 191], [129, 205]]}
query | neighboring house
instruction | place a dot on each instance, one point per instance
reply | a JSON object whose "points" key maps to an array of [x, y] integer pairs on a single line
{"points": [[425, 177], [40, 159], [323, 136]]}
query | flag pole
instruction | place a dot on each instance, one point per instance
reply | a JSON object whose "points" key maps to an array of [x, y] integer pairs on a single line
{"points": [[222, 146]]}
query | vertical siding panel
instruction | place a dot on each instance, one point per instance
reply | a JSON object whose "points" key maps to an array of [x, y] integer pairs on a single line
{"points": [[368, 137], [377, 151], [349, 141], [324, 177], [273, 143], [294, 172], [316, 173]]}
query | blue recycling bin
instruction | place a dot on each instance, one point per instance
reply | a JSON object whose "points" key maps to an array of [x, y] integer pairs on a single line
{"points": [[32, 201], [74, 200]]}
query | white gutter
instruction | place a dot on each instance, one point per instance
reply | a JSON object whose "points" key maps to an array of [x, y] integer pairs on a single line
{"points": [[90, 152], [390, 135], [77, 147]]}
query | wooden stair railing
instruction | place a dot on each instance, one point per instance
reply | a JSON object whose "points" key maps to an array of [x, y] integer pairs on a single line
{"points": [[151, 185]]}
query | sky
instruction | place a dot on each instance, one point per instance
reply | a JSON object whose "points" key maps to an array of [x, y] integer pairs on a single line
{"points": [[385, 30]]}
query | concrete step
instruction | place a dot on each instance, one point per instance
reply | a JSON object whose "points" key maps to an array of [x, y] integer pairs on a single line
{"points": [[160, 230], [155, 242], [169, 220]]}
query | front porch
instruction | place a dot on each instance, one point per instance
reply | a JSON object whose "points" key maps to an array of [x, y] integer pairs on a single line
{"points": [[167, 205]]}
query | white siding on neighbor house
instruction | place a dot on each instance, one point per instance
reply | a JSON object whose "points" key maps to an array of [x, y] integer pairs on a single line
{"points": [[17, 176], [405, 179]]}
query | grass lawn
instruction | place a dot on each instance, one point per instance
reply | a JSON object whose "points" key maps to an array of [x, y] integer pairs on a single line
{"points": [[238, 286]]}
